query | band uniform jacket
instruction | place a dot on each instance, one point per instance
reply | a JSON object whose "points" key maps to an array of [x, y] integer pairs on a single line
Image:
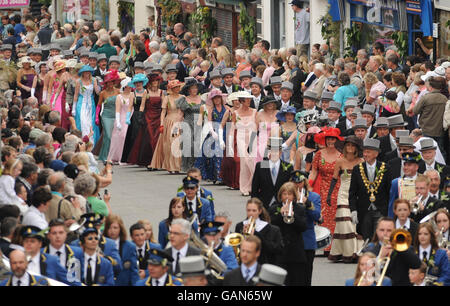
{"points": [[142, 261], [235, 278], [263, 187], [440, 268], [129, 274], [170, 281], [271, 242], [312, 216], [203, 209], [395, 165], [204, 193], [358, 197], [227, 255], [104, 275], [51, 268], [35, 281], [191, 251], [294, 249], [71, 252]]}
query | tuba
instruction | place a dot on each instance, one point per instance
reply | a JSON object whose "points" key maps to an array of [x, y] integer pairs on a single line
{"points": [[234, 240]]}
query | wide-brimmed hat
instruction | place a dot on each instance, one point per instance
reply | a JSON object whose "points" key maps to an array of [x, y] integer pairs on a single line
{"points": [[244, 95], [281, 115], [60, 65], [427, 144], [124, 83], [232, 97], [268, 100], [327, 132], [154, 77], [111, 76], [354, 140], [140, 77], [188, 83], [86, 68], [214, 93], [25, 60], [173, 84]]}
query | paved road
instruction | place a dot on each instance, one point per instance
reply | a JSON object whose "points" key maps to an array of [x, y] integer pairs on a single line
{"points": [[140, 194]]}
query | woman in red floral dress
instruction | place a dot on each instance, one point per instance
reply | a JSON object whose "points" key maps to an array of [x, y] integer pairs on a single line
{"points": [[323, 166]]}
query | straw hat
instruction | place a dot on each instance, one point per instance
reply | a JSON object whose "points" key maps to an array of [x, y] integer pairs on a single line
{"points": [[60, 65], [25, 60]]}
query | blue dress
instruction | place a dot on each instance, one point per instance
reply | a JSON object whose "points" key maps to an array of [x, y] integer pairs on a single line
{"points": [[85, 112], [210, 166]]}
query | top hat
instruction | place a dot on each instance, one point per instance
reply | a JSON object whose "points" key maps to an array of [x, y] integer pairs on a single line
{"points": [[245, 74], [382, 122], [310, 95], [192, 266], [371, 144], [270, 274], [396, 121], [427, 144]]}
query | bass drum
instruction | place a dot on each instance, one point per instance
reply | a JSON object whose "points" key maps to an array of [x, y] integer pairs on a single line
{"points": [[323, 237]]}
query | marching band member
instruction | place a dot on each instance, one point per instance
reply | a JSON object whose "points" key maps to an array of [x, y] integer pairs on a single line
{"points": [[292, 257], [417, 276], [143, 247], [69, 256], [426, 247], [424, 203], [19, 275], [202, 192], [158, 266], [442, 219], [201, 206], [115, 230], [312, 203], [41, 263], [365, 275], [270, 235], [402, 211], [96, 270]]}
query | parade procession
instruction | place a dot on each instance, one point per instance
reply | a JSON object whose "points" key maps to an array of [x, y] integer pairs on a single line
{"points": [[296, 143]]}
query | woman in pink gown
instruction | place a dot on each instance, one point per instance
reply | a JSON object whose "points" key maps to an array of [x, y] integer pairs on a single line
{"points": [[57, 93], [119, 133]]}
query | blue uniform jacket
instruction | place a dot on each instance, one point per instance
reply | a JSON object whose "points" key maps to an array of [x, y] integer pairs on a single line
{"points": [[71, 252], [386, 282], [393, 195], [226, 253], [51, 268], [204, 210], [129, 274], [163, 232], [104, 275], [309, 236], [35, 281], [110, 252], [170, 281], [204, 193], [441, 267], [148, 246]]}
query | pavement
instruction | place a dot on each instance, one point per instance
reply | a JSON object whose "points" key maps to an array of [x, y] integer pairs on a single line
{"points": [[140, 194]]}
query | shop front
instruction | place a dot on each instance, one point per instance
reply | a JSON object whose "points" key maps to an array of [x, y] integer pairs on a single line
{"points": [[443, 12]]}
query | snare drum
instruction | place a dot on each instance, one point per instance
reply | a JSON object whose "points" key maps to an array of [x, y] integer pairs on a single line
{"points": [[323, 237]]}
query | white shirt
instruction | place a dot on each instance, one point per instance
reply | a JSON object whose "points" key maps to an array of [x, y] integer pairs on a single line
{"points": [[93, 265], [278, 98], [24, 280], [407, 224], [8, 194], [229, 89], [34, 217], [161, 280], [62, 257], [140, 248], [348, 123], [436, 195], [256, 100], [284, 105], [194, 202], [421, 250], [371, 171], [117, 242], [183, 252], [430, 167], [34, 264], [259, 224]]}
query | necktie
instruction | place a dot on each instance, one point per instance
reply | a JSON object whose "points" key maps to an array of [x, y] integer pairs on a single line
{"points": [[19, 283], [177, 266], [89, 273], [156, 283], [247, 276], [371, 174], [58, 253], [425, 259], [274, 174], [190, 208]]}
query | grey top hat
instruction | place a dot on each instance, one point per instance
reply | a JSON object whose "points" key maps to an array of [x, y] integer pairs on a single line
{"points": [[275, 143], [360, 123], [7, 47], [350, 103], [401, 133], [139, 65], [287, 85], [356, 111], [271, 275], [371, 144], [55, 47], [171, 68], [227, 71], [310, 95], [396, 121], [327, 95], [245, 74], [334, 106], [93, 55], [215, 74], [157, 67], [368, 109], [101, 56], [406, 141], [84, 54], [30, 51], [427, 144], [67, 53], [147, 66], [114, 58], [276, 80], [192, 266], [257, 81], [382, 122]]}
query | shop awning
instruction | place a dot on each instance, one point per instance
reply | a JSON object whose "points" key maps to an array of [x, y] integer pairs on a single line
{"points": [[337, 9], [427, 17]]}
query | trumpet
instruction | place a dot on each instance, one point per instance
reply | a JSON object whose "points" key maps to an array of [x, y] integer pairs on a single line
{"points": [[289, 217], [234, 240], [250, 227], [415, 206]]}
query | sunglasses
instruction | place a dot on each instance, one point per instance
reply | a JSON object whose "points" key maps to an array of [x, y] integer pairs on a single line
{"points": [[92, 238], [190, 188]]}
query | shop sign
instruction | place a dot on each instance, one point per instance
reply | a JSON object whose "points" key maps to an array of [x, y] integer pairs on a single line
{"points": [[12, 4]]}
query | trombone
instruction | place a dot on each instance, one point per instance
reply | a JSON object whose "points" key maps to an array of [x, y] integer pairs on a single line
{"points": [[401, 241]]}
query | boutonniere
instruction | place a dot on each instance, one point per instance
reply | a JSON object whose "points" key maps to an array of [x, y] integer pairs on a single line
{"points": [[180, 189], [418, 157], [322, 161], [431, 205], [286, 166], [215, 116], [209, 197], [444, 196], [278, 211], [439, 168]]}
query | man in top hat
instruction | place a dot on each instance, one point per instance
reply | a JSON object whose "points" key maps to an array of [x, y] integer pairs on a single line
{"points": [[345, 123], [183, 67], [102, 63], [245, 78], [193, 271], [369, 190], [211, 235], [334, 113], [143, 247], [285, 101], [228, 87], [156, 69], [215, 77], [368, 113], [325, 99], [382, 127], [114, 63], [359, 128], [388, 143], [396, 164], [96, 270], [67, 54], [270, 174], [36, 55], [250, 249], [256, 85], [274, 87], [93, 60], [41, 263], [396, 152], [139, 68], [271, 275], [7, 51], [158, 268], [171, 72], [403, 186], [55, 50], [19, 275], [428, 151], [84, 57], [309, 101], [70, 257], [195, 204]]}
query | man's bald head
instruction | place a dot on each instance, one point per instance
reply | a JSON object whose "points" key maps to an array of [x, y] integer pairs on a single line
{"points": [[56, 181], [18, 263]]}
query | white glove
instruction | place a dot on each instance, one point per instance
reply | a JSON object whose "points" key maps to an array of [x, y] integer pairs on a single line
{"points": [[214, 135], [33, 90], [284, 146], [355, 217], [118, 125], [67, 108], [222, 144]]}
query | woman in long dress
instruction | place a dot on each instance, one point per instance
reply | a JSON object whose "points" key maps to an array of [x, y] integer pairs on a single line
{"points": [[83, 109], [123, 103], [190, 106], [107, 101], [288, 125], [38, 82], [266, 123], [323, 164], [344, 244], [167, 153], [25, 76], [244, 120], [57, 92]]}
